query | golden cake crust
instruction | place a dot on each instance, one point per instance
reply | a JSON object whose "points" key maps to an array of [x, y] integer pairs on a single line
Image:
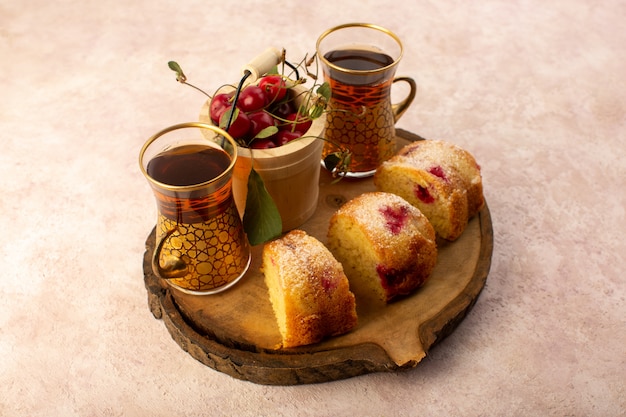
{"points": [[386, 245], [308, 289], [440, 178]]}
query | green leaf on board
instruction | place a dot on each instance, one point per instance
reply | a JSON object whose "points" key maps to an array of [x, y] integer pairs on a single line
{"points": [[261, 220]]}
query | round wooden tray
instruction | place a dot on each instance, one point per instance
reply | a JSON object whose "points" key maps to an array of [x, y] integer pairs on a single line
{"points": [[235, 332]]}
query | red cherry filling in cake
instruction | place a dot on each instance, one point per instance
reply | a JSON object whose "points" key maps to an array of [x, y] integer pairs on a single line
{"points": [[394, 280], [437, 171], [423, 194], [395, 217]]}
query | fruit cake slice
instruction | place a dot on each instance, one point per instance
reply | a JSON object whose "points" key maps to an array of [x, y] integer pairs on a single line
{"points": [[441, 179], [386, 246], [308, 289]]}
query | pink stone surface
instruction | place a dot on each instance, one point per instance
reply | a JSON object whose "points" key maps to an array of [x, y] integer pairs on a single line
{"points": [[534, 89]]}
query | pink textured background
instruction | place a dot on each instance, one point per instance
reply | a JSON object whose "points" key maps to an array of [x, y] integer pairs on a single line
{"points": [[535, 90]]}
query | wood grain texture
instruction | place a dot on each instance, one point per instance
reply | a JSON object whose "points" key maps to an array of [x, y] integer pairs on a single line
{"points": [[235, 332]]}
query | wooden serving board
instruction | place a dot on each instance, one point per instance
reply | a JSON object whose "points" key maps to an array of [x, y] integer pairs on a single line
{"points": [[235, 332]]}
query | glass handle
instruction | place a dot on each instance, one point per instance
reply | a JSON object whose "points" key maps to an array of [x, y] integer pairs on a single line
{"points": [[174, 267], [399, 108]]}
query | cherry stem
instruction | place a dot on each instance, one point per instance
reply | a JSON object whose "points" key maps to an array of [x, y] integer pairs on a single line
{"points": [[232, 113], [197, 88], [246, 74]]}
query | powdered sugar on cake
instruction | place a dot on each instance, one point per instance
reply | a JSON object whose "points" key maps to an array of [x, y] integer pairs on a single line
{"points": [[441, 179]]}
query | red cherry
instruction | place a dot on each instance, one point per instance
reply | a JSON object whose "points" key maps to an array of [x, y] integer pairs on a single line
{"points": [[239, 126], [259, 120], [285, 136], [251, 98], [299, 123], [265, 143], [274, 87], [219, 104], [283, 109]]}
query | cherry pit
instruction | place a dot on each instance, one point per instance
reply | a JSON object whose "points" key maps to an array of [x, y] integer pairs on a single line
{"points": [[264, 115]]}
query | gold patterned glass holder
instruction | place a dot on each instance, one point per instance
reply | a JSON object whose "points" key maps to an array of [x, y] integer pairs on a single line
{"points": [[201, 247]]}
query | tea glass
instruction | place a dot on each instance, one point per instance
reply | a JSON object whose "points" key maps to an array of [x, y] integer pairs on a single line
{"points": [[359, 61], [201, 247]]}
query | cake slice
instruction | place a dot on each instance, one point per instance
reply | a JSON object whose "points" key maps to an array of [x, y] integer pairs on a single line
{"points": [[308, 289], [441, 179], [386, 246]]}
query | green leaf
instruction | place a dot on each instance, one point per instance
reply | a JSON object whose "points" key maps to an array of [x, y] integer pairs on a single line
{"points": [[324, 91], [225, 119], [261, 219], [316, 111], [180, 75], [266, 132]]}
